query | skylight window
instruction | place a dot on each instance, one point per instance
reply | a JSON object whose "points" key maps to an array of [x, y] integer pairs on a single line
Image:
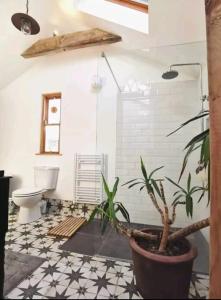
{"points": [[132, 14]]}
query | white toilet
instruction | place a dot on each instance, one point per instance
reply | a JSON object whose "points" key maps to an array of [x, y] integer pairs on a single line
{"points": [[29, 199]]}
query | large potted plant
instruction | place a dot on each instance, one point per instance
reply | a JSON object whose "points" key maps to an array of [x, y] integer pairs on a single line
{"points": [[163, 258]]}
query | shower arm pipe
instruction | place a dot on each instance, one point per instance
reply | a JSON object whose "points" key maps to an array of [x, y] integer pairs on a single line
{"points": [[201, 73], [112, 73], [201, 85]]}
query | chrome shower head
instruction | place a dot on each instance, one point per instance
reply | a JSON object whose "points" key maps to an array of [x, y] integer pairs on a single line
{"points": [[171, 74]]}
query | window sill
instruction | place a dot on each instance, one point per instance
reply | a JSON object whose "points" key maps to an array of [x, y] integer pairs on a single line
{"points": [[48, 154]]}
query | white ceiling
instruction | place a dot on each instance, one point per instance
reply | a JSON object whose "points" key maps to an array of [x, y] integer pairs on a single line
{"points": [[57, 15], [51, 15]]}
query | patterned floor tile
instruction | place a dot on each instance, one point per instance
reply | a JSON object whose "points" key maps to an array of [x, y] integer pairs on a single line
{"points": [[108, 265], [67, 275], [127, 288], [102, 286]]}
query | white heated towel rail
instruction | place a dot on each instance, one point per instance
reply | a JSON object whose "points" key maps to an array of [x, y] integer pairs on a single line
{"points": [[88, 179]]}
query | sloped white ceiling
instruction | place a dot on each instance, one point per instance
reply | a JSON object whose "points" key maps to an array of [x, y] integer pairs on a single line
{"points": [[52, 15], [62, 16]]}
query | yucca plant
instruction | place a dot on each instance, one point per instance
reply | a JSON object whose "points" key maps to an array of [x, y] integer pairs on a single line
{"points": [[108, 211], [158, 276]]}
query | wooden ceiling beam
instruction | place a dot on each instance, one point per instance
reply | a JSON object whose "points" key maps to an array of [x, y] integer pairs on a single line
{"points": [[71, 41]]}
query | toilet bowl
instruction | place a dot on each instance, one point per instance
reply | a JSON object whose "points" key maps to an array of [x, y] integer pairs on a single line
{"points": [[29, 202], [29, 199]]}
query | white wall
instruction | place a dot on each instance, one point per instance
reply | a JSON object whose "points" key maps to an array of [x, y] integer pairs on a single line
{"points": [[142, 127], [174, 22], [20, 117], [88, 120]]}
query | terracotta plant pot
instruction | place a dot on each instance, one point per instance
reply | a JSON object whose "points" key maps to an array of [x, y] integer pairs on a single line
{"points": [[162, 277]]}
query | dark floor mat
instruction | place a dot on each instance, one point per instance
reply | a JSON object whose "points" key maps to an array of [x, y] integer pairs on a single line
{"points": [[115, 246], [17, 268], [89, 241]]}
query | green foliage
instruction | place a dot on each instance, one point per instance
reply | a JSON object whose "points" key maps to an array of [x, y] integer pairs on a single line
{"points": [[147, 181], [186, 194], [183, 196], [191, 149], [198, 117], [200, 138], [200, 141], [108, 210]]}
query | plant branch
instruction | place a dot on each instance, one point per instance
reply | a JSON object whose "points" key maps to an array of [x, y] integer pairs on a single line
{"points": [[166, 228], [156, 205], [146, 236], [182, 233], [162, 193], [174, 211], [133, 232]]}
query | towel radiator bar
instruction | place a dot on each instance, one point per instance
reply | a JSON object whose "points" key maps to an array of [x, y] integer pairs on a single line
{"points": [[88, 179]]}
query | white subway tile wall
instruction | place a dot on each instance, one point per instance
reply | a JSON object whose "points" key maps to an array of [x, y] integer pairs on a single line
{"points": [[143, 124]]}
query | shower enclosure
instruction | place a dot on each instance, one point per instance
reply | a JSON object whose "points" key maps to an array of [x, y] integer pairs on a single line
{"points": [[136, 110]]}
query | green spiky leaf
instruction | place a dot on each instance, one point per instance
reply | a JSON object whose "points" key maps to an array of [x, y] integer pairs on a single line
{"points": [[134, 184], [93, 214], [130, 181], [200, 116], [123, 211], [142, 188], [189, 206], [106, 188], [191, 149], [189, 183], [143, 169], [199, 138], [177, 199], [154, 183], [154, 171], [115, 187], [176, 184]]}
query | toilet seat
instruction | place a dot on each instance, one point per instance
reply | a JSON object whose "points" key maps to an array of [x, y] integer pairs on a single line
{"points": [[27, 192]]}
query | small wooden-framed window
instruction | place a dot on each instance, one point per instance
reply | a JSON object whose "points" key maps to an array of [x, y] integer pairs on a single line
{"points": [[141, 5], [50, 124]]}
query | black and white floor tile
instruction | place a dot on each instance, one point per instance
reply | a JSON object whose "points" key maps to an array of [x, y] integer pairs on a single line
{"points": [[67, 275]]}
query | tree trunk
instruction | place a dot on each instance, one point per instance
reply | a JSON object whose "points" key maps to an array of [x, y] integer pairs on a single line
{"points": [[213, 13], [182, 233], [166, 231]]}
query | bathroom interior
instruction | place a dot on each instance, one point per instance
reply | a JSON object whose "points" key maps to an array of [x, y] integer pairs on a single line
{"points": [[68, 118]]}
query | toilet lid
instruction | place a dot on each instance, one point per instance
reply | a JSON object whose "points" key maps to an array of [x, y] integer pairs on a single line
{"points": [[27, 192]]}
